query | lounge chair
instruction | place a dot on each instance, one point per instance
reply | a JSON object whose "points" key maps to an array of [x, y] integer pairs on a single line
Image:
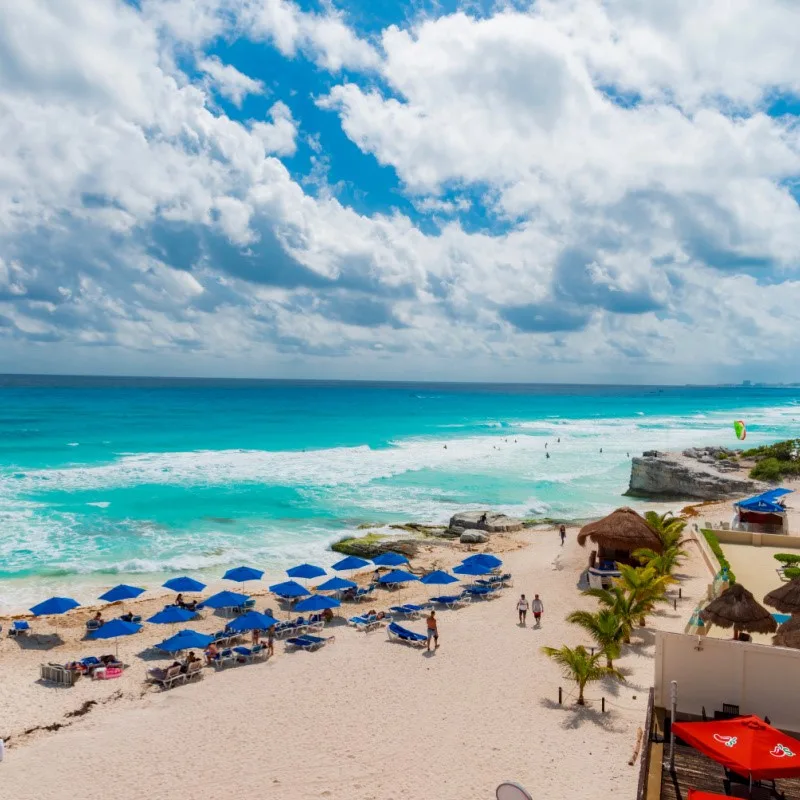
{"points": [[397, 633], [246, 606], [19, 627], [165, 678], [135, 619], [363, 594], [451, 600], [410, 610], [223, 658], [307, 642], [257, 651], [58, 673], [93, 625], [224, 637], [484, 592], [365, 623], [195, 670]]}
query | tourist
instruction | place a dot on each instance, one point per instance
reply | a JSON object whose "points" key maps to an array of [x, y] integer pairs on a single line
{"points": [[98, 617], [327, 615], [537, 607], [522, 608], [433, 630], [562, 531], [256, 637], [271, 641], [179, 601], [211, 653]]}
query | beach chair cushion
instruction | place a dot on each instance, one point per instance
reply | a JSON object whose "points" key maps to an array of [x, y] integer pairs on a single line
{"points": [[403, 634], [308, 642], [19, 627]]}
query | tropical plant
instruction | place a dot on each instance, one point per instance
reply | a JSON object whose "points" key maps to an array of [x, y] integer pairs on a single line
{"points": [[645, 584], [664, 563], [668, 527], [581, 666], [625, 606], [604, 627]]}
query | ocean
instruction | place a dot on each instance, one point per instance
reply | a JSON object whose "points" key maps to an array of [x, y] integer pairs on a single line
{"points": [[111, 480]]}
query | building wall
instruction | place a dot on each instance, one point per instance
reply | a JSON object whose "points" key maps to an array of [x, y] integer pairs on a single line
{"points": [[760, 679], [757, 539]]}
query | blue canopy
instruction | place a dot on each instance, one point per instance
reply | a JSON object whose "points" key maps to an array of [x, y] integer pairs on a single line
{"points": [[351, 562], [472, 568], [486, 559], [242, 574], [252, 621], [115, 628], [765, 502], [336, 584], [55, 605], [439, 577], [289, 589], [317, 602], [397, 576], [185, 640], [172, 615], [184, 584], [225, 600], [389, 559], [121, 592], [305, 571]]}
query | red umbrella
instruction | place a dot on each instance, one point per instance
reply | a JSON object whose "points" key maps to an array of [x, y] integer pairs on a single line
{"points": [[745, 745]]}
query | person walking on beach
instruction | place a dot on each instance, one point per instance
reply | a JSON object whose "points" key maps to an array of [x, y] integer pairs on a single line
{"points": [[271, 641], [562, 532], [433, 630], [522, 608], [538, 609]]}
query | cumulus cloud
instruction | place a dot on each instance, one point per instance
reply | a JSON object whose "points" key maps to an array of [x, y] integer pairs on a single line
{"points": [[228, 81]]}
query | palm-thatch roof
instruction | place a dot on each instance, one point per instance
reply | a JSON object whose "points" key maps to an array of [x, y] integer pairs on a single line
{"points": [[622, 529], [788, 634], [785, 598], [737, 608]]}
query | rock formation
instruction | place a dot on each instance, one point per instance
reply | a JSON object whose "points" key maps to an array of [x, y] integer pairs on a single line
{"points": [[474, 537], [483, 521]]}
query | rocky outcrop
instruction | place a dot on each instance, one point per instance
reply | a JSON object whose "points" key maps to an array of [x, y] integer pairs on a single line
{"points": [[371, 545], [474, 537], [696, 475], [484, 521]]}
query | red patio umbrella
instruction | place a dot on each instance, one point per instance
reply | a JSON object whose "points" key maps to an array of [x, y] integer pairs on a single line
{"points": [[745, 745]]}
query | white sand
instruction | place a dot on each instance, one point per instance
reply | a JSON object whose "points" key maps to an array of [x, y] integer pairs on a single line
{"points": [[362, 718]]}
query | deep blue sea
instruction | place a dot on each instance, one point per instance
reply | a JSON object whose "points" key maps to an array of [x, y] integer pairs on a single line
{"points": [[104, 479]]}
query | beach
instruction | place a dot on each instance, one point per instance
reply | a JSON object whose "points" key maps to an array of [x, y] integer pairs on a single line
{"points": [[361, 718]]}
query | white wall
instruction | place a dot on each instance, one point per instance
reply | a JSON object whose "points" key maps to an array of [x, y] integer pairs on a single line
{"points": [[760, 679]]}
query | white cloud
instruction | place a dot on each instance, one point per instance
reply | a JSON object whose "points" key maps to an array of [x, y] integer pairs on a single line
{"points": [[228, 81]]}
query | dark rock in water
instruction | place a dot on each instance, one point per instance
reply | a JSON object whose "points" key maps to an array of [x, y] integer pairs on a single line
{"points": [[373, 545], [484, 521]]}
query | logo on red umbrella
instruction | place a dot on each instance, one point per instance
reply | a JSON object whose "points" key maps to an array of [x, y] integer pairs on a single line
{"points": [[781, 751], [728, 741]]}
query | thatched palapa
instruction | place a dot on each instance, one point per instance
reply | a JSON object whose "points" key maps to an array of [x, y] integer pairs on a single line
{"points": [[788, 634], [622, 529], [737, 608], [786, 598]]}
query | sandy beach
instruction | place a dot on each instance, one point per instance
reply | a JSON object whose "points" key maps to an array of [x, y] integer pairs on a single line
{"points": [[361, 718]]}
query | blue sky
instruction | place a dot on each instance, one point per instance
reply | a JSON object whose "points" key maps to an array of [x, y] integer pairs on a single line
{"points": [[558, 190]]}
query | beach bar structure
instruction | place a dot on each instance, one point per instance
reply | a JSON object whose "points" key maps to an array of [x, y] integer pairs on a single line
{"points": [[616, 537], [764, 513]]}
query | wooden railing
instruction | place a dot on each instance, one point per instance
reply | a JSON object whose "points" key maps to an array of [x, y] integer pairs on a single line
{"points": [[644, 756]]}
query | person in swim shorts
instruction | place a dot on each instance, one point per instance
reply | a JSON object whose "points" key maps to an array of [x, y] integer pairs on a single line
{"points": [[433, 630]]}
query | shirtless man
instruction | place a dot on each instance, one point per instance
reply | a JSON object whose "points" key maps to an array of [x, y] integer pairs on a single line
{"points": [[433, 630]]}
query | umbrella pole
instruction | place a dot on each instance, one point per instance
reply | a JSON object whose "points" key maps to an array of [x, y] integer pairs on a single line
{"points": [[673, 696]]}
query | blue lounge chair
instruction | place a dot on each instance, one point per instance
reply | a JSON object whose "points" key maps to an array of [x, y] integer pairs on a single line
{"points": [[135, 619], [397, 633], [19, 627], [478, 591], [365, 623], [410, 610], [362, 594], [245, 607], [223, 658], [251, 653], [308, 642], [451, 600]]}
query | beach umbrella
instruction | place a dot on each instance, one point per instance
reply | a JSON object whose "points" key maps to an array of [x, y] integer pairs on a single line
{"points": [[788, 634], [397, 576], [350, 563], [438, 578], [226, 599], [389, 559], [252, 621], [317, 602], [185, 640], [473, 568], [121, 592], [55, 605], [737, 608], [184, 584], [486, 559], [786, 598], [622, 529], [242, 574], [171, 615], [336, 584], [289, 589], [306, 571], [114, 629]]}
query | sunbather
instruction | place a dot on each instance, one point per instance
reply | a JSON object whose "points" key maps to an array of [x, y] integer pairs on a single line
{"points": [[327, 615], [98, 617], [179, 600], [127, 617], [211, 653]]}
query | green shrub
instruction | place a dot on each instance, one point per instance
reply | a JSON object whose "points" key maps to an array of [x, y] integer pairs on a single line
{"points": [[775, 461], [713, 543], [792, 572], [770, 469], [787, 558]]}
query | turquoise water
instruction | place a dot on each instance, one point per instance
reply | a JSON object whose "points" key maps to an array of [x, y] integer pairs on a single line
{"points": [[100, 478]]}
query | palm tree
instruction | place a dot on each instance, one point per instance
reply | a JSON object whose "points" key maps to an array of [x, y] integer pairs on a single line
{"points": [[580, 666], [604, 627], [625, 606], [645, 584], [668, 527], [664, 563]]}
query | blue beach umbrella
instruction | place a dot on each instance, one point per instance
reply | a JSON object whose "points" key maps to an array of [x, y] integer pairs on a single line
{"points": [[55, 605], [252, 621], [397, 576], [242, 574], [114, 629], [336, 584], [486, 559], [121, 592], [305, 571], [351, 562], [185, 640], [184, 584], [389, 559], [473, 568], [317, 602], [289, 589], [438, 578], [225, 600], [171, 616]]}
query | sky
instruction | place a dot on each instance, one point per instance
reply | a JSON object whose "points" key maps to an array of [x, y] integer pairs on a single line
{"points": [[562, 190]]}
